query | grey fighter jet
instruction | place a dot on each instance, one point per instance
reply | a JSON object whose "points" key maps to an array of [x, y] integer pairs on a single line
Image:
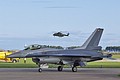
{"points": [[89, 51]]}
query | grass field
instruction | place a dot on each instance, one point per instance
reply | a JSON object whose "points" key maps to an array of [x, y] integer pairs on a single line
{"points": [[20, 64], [30, 64], [103, 65], [116, 56]]}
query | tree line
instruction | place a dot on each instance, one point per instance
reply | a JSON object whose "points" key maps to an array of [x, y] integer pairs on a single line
{"points": [[113, 48]]}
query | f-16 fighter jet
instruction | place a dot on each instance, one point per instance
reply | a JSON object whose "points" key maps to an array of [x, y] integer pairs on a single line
{"points": [[88, 52]]}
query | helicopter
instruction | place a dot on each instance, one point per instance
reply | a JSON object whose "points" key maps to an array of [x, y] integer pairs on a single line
{"points": [[60, 34]]}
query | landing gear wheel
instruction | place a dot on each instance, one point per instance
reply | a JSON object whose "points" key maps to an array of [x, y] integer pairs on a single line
{"points": [[74, 69], [39, 70], [60, 68]]}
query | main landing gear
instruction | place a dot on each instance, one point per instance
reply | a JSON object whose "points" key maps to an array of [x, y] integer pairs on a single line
{"points": [[60, 68], [40, 70], [74, 69], [74, 66]]}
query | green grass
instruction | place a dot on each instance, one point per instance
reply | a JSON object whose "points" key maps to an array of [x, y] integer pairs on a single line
{"points": [[116, 56], [103, 65], [15, 65], [20, 64]]}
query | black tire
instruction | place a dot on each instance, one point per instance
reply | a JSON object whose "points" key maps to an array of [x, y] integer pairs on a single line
{"points": [[74, 69], [39, 70], [60, 68]]}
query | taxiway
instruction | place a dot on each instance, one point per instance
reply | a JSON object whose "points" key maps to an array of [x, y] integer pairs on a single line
{"points": [[53, 74]]}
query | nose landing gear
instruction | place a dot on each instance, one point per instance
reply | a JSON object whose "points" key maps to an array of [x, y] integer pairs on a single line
{"points": [[40, 69]]}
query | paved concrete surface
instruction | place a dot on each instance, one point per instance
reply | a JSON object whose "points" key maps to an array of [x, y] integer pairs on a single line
{"points": [[53, 74]]}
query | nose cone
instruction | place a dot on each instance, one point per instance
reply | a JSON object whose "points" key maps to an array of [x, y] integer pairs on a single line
{"points": [[19, 54]]}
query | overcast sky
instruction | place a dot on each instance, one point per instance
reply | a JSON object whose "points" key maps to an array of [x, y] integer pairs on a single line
{"points": [[34, 21]]}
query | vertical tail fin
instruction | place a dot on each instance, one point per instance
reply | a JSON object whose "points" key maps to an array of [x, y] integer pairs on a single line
{"points": [[93, 41]]}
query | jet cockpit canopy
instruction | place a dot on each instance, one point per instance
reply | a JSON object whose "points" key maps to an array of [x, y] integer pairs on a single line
{"points": [[33, 47], [37, 46]]}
